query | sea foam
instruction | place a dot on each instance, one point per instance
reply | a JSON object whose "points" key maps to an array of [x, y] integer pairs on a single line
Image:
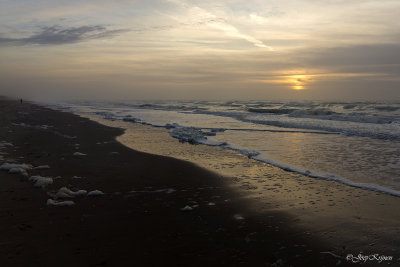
{"points": [[95, 193], [16, 168], [51, 202], [64, 192], [39, 181]]}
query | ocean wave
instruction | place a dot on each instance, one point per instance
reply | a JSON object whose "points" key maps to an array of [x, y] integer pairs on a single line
{"points": [[324, 114], [387, 108], [372, 131], [343, 118], [271, 111]]}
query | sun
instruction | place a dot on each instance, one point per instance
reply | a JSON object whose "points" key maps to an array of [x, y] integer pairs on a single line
{"points": [[298, 87], [297, 82]]}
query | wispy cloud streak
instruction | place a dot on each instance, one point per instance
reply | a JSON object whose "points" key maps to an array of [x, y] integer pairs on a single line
{"points": [[56, 35], [234, 32], [208, 18]]}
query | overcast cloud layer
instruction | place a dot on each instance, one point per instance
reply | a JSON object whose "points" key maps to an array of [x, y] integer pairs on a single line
{"points": [[177, 49]]}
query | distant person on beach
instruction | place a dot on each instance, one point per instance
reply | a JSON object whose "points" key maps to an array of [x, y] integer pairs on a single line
{"points": [[20, 100]]}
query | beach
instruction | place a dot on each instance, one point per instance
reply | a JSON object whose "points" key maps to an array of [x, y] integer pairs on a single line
{"points": [[165, 210], [199, 133]]}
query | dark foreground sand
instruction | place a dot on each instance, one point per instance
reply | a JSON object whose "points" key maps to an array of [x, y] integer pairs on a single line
{"points": [[123, 228]]}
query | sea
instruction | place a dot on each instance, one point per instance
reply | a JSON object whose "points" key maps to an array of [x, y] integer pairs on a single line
{"points": [[353, 143]]}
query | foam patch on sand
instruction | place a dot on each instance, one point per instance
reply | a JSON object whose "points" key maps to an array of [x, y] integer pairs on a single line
{"points": [[166, 190], [5, 144], [95, 193], [78, 154], [20, 124], [64, 135], [18, 171], [16, 168], [187, 208], [42, 167], [9, 166], [39, 181], [43, 127], [51, 202], [238, 217], [64, 192]]}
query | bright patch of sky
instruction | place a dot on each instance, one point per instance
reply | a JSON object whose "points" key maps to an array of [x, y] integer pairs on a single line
{"points": [[232, 49]]}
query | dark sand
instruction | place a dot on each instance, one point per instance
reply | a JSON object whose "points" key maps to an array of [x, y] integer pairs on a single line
{"points": [[121, 228]]}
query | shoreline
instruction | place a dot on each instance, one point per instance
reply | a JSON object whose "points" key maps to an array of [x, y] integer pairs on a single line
{"points": [[325, 209], [358, 178], [138, 220]]}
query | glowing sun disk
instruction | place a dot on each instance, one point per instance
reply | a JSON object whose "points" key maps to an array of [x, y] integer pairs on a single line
{"points": [[297, 81]]}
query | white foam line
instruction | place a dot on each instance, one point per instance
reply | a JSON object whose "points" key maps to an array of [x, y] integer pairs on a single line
{"points": [[267, 130], [328, 177]]}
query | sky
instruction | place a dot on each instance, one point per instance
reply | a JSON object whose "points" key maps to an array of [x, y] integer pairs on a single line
{"points": [[211, 50]]}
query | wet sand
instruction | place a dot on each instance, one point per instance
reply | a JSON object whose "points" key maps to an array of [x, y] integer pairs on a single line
{"points": [[354, 218], [351, 220], [139, 220]]}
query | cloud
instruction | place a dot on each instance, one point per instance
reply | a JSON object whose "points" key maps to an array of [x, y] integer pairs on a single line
{"points": [[234, 32], [56, 35], [372, 54], [258, 19], [382, 59], [209, 18]]}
